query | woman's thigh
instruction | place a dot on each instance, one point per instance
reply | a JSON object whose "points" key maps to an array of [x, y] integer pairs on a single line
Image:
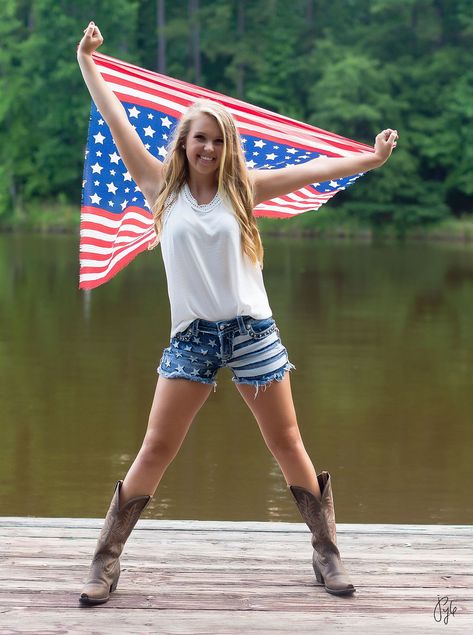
{"points": [[175, 405], [274, 411]]}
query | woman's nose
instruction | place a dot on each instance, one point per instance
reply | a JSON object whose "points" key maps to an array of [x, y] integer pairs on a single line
{"points": [[209, 146]]}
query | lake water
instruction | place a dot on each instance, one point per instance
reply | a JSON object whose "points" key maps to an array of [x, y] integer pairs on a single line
{"points": [[382, 339]]}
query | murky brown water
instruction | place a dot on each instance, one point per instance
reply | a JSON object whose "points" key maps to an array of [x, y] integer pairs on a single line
{"points": [[382, 338]]}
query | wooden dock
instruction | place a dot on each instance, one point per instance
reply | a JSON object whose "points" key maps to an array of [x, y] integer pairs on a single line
{"points": [[195, 577]]}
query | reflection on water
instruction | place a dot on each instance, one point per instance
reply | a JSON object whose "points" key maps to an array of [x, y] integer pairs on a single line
{"points": [[382, 339]]}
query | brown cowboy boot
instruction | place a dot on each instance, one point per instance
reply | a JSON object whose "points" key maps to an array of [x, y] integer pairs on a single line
{"points": [[105, 568], [320, 518]]}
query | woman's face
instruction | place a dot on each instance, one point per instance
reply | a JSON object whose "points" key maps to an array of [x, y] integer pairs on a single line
{"points": [[204, 145]]}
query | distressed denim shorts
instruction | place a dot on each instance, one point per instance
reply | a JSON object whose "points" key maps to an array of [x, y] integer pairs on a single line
{"points": [[251, 348]]}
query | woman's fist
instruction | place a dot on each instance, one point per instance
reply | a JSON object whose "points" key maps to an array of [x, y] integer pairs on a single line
{"points": [[384, 144], [91, 41]]}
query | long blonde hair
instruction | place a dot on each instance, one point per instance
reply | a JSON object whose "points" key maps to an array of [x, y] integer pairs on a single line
{"points": [[233, 178]]}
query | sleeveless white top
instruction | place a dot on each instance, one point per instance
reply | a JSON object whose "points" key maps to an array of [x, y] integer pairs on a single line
{"points": [[208, 275]]}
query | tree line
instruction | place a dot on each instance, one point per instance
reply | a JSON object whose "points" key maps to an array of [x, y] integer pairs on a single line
{"points": [[352, 67]]}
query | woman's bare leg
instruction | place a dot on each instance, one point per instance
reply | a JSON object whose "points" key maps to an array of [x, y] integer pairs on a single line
{"points": [[176, 402], [274, 411]]}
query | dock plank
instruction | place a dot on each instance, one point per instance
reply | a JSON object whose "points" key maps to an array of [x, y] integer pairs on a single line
{"points": [[234, 577]]}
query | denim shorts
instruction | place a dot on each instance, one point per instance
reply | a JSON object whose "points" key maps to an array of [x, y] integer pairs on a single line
{"points": [[251, 348]]}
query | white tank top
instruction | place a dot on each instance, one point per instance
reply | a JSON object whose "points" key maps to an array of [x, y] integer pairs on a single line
{"points": [[208, 275]]}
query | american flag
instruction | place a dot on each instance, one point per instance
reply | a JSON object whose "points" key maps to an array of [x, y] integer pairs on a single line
{"points": [[116, 221]]}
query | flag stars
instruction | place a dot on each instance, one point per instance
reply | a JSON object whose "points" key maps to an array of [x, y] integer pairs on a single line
{"points": [[98, 153], [96, 183], [134, 112], [111, 203], [196, 340], [95, 199], [166, 123], [187, 348], [259, 144], [193, 358], [112, 172], [250, 164], [99, 138], [162, 151], [291, 151], [333, 184], [270, 157], [127, 189], [212, 343], [149, 132], [114, 158], [96, 168], [124, 204], [101, 122], [195, 372], [150, 115], [112, 188], [126, 176], [180, 368]]}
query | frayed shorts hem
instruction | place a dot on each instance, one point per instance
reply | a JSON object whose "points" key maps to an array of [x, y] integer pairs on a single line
{"points": [[267, 381], [180, 375]]}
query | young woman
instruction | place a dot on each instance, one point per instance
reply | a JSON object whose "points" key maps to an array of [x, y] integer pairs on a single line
{"points": [[202, 197]]}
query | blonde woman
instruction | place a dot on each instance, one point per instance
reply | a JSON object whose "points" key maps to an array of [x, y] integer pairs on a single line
{"points": [[203, 196]]}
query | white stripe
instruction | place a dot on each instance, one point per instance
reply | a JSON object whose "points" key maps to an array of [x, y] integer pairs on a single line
{"points": [[101, 274], [291, 137], [253, 345], [184, 90], [260, 357], [108, 222], [114, 238], [262, 370], [287, 129]]}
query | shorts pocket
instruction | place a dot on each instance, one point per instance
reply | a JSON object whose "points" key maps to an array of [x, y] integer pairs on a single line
{"points": [[258, 329], [184, 336]]}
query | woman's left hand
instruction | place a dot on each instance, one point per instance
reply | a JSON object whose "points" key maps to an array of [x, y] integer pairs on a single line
{"points": [[384, 144]]}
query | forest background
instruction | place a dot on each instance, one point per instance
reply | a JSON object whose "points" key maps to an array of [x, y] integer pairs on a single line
{"points": [[351, 66]]}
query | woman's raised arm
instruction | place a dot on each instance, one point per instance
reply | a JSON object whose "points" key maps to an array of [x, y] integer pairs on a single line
{"points": [[144, 169], [272, 183]]}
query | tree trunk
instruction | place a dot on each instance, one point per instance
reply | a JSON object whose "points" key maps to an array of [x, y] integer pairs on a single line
{"points": [[240, 80], [161, 24], [195, 40]]}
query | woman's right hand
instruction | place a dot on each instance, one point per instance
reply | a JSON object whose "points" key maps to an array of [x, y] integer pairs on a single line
{"points": [[91, 41]]}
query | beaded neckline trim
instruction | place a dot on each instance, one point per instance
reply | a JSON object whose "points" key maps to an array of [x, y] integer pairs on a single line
{"points": [[202, 209]]}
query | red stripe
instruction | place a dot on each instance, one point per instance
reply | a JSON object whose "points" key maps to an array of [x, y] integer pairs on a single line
{"points": [[246, 111], [116, 216], [103, 258], [91, 284]]}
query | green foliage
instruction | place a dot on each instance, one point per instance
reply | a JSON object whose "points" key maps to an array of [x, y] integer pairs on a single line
{"points": [[353, 67]]}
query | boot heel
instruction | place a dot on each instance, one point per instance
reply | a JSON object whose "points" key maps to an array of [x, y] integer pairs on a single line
{"points": [[319, 577], [114, 585]]}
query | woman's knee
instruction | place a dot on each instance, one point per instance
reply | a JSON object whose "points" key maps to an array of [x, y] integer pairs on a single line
{"points": [[157, 450], [285, 444]]}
